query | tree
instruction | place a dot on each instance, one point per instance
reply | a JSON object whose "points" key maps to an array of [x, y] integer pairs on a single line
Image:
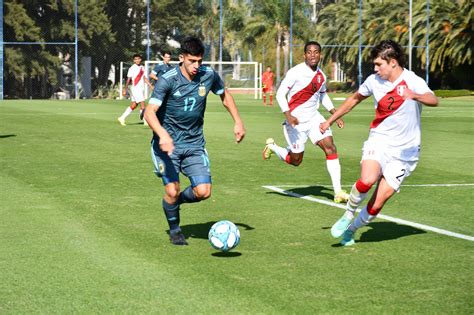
{"points": [[271, 19]]}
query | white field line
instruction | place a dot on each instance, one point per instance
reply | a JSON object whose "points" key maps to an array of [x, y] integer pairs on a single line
{"points": [[414, 185], [382, 216]]}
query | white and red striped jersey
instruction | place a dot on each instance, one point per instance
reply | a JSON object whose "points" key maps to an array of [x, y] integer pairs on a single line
{"points": [[397, 121], [136, 72], [302, 90]]}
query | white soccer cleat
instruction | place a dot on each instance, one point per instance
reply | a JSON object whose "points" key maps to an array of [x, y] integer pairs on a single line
{"points": [[267, 152], [121, 121]]}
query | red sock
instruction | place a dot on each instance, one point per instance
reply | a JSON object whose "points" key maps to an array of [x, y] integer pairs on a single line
{"points": [[264, 99], [371, 210], [361, 187], [271, 99]]}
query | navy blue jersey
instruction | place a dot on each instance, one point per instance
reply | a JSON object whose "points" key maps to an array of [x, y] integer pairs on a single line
{"points": [[182, 104], [161, 69]]}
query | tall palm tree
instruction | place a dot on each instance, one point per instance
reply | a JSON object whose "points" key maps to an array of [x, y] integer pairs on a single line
{"points": [[270, 22]]}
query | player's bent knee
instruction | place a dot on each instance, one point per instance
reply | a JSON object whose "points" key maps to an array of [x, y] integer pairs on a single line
{"points": [[202, 192], [296, 162], [172, 193], [369, 180], [295, 159]]}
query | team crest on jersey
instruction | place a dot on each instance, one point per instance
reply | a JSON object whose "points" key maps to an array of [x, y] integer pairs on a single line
{"points": [[161, 168], [318, 78], [202, 90], [401, 89]]}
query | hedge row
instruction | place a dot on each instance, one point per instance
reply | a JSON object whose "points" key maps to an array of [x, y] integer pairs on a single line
{"points": [[452, 93]]}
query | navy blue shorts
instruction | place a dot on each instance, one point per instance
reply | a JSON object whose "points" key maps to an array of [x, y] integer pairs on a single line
{"points": [[192, 162]]}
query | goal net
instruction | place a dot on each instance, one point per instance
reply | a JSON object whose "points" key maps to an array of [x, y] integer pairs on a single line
{"points": [[240, 77]]}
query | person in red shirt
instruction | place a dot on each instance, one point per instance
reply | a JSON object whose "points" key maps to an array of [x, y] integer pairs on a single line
{"points": [[267, 85]]}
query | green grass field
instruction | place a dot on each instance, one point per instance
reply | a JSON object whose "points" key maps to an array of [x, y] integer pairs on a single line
{"points": [[82, 229]]}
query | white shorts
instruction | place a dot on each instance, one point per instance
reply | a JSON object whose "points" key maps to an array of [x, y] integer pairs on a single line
{"points": [[393, 168], [296, 137], [137, 94]]}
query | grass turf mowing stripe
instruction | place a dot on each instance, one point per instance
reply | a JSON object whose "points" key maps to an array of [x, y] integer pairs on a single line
{"points": [[382, 216]]}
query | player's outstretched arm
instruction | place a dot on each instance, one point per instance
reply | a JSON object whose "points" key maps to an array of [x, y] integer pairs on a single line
{"points": [[166, 142], [327, 103], [345, 107], [428, 99], [229, 104], [153, 76], [148, 82]]}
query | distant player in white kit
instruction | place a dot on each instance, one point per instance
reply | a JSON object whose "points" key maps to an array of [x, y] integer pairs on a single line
{"points": [[391, 152], [299, 95], [137, 79]]}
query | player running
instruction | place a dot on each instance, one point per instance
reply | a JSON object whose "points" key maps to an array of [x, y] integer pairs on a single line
{"points": [[267, 86], [136, 77], [299, 94], [392, 150], [175, 113], [162, 67]]}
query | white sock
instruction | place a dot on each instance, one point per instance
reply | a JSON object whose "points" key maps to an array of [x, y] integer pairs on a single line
{"points": [[279, 151], [126, 113], [355, 199], [362, 219], [334, 169]]}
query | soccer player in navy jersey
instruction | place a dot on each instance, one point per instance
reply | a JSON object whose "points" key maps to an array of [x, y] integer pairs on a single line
{"points": [[175, 113], [162, 67]]}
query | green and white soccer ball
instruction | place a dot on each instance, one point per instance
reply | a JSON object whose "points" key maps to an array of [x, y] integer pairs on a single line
{"points": [[224, 235]]}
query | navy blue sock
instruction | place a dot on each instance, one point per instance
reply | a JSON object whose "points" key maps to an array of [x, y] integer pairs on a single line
{"points": [[172, 215], [187, 196]]}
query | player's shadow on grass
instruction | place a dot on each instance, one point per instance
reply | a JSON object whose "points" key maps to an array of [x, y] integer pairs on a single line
{"points": [[6, 136], [201, 230], [318, 191], [385, 231]]}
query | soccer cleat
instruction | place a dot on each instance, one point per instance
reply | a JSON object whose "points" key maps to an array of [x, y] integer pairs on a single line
{"points": [[341, 197], [267, 152], [340, 226], [177, 238], [121, 121], [348, 238]]}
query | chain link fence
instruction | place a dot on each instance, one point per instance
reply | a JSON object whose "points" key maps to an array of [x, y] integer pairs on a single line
{"points": [[50, 52]]}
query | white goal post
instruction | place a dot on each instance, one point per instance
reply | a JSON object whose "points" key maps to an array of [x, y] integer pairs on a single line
{"points": [[238, 76]]}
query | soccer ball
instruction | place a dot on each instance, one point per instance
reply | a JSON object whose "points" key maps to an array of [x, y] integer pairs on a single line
{"points": [[224, 235]]}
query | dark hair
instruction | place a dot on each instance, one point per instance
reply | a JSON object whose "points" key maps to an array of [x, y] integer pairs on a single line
{"points": [[137, 55], [312, 43], [166, 52], [388, 49], [192, 46]]}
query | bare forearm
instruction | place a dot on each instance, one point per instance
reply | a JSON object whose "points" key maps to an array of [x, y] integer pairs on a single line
{"points": [[345, 107], [229, 103], [154, 123], [427, 99]]}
